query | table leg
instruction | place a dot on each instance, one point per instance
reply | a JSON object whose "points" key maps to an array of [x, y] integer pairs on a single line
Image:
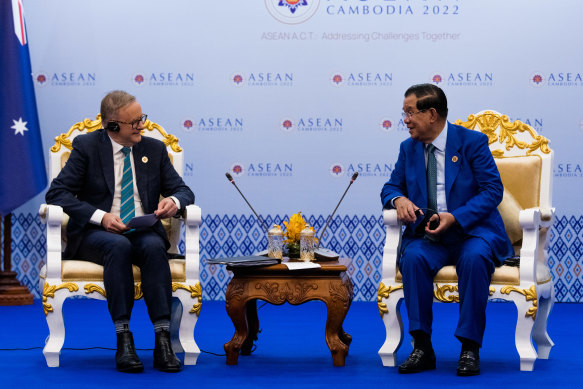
{"points": [[337, 305], [252, 327], [236, 306]]}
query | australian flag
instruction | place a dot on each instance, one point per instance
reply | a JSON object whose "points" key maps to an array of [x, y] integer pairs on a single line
{"points": [[22, 164]]}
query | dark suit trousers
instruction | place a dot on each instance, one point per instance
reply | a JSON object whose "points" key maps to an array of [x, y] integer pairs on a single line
{"points": [[116, 253], [420, 261]]}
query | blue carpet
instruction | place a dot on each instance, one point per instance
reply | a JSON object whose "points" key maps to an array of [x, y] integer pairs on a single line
{"points": [[291, 350]]}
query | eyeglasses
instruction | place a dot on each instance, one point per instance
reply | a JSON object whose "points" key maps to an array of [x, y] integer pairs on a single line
{"points": [[136, 123], [408, 115]]}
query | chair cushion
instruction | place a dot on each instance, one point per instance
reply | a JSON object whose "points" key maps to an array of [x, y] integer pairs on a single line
{"points": [[521, 177], [503, 275], [76, 270]]}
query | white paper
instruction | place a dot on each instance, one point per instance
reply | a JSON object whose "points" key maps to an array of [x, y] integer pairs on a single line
{"points": [[142, 221], [301, 265]]}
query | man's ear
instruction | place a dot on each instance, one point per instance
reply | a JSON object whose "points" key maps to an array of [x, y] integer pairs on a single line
{"points": [[434, 117]]}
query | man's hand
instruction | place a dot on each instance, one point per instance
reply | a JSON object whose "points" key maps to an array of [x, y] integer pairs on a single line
{"points": [[112, 223], [446, 220], [166, 208], [406, 210]]}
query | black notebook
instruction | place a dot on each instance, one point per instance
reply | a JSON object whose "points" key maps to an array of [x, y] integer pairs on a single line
{"points": [[249, 260]]}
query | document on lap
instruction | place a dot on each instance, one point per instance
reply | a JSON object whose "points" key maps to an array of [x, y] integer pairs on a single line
{"points": [[142, 221]]}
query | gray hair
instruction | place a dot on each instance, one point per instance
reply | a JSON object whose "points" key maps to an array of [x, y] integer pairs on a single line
{"points": [[112, 103]]}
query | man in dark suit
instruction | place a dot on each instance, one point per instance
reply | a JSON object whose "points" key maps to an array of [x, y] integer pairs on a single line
{"points": [[460, 188], [112, 175]]}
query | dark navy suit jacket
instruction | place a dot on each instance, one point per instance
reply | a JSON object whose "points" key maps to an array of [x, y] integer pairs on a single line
{"points": [[87, 181], [473, 187]]}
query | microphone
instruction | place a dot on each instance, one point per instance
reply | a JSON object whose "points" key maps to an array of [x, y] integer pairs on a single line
{"points": [[325, 254], [232, 181]]}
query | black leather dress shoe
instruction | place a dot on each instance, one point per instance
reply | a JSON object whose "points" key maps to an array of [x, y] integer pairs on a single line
{"points": [[164, 357], [469, 363], [418, 361], [126, 359]]}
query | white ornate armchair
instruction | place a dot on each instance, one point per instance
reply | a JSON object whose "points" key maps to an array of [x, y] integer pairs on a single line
{"points": [[525, 164], [61, 279]]}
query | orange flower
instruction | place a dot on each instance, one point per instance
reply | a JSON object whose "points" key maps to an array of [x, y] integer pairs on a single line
{"points": [[294, 227]]}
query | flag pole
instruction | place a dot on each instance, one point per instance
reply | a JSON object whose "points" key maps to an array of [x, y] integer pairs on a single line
{"points": [[11, 291]]}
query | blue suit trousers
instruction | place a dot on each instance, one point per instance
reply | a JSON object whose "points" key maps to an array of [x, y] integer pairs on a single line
{"points": [[420, 261]]}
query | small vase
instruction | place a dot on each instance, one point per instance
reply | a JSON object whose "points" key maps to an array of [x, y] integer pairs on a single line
{"points": [[293, 250]]}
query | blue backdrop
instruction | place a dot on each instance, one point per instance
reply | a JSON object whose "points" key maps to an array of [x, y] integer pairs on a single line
{"points": [[293, 97]]}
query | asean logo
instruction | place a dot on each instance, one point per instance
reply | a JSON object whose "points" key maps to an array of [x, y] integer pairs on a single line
{"points": [[287, 125], [187, 125], [386, 125], [41, 79], [337, 79], [336, 170], [292, 11], [138, 79], [237, 169], [237, 79], [436, 79], [536, 79]]}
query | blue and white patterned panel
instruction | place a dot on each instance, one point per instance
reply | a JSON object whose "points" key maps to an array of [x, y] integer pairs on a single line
{"points": [[359, 237], [566, 258]]}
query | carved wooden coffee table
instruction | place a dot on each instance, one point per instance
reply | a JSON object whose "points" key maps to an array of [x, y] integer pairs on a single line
{"points": [[277, 284]]}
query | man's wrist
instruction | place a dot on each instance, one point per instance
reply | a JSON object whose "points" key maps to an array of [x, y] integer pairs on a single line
{"points": [[97, 217], [176, 202], [392, 201]]}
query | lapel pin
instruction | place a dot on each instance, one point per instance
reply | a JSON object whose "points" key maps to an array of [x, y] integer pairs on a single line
{"points": [[453, 159], [145, 159]]}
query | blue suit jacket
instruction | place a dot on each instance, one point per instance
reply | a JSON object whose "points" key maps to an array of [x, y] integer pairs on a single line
{"points": [[473, 187], [87, 181]]}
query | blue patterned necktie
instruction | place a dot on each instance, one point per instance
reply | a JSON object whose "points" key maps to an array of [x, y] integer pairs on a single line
{"points": [[431, 180], [127, 208]]}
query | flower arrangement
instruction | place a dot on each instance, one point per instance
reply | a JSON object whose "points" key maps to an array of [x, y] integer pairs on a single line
{"points": [[293, 230]]}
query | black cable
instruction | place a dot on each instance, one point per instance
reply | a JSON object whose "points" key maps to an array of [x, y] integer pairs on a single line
{"points": [[262, 305], [115, 349], [428, 211]]}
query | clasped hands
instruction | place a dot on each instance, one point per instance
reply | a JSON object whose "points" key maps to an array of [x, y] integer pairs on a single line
{"points": [[406, 214], [112, 223]]}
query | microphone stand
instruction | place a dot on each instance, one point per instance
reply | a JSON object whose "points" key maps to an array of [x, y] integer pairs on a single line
{"points": [[325, 253], [232, 181]]}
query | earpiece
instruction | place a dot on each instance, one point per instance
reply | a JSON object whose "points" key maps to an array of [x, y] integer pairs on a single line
{"points": [[112, 126]]}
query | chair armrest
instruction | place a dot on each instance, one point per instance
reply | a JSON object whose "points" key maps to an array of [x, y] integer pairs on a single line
{"points": [[392, 243], [53, 216], [535, 223], [547, 217], [192, 222]]}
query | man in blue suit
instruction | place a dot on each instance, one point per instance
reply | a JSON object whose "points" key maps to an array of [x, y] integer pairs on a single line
{"points": [[112, 175], [450, 209]]}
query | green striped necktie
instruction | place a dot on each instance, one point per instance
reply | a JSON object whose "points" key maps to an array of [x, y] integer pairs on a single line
{"points": [[127, 208]]}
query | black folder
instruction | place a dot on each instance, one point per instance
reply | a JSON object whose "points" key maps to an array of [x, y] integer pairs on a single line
{"points": [[244, 261]]}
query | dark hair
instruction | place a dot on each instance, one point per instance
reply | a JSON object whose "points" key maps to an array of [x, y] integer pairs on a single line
{"points": [[429, 96]]}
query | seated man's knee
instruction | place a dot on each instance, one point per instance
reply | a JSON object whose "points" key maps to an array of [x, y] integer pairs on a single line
{"points": [[478, 256], [120, 245], [119, 251], [153, 246], [410, 260]]}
